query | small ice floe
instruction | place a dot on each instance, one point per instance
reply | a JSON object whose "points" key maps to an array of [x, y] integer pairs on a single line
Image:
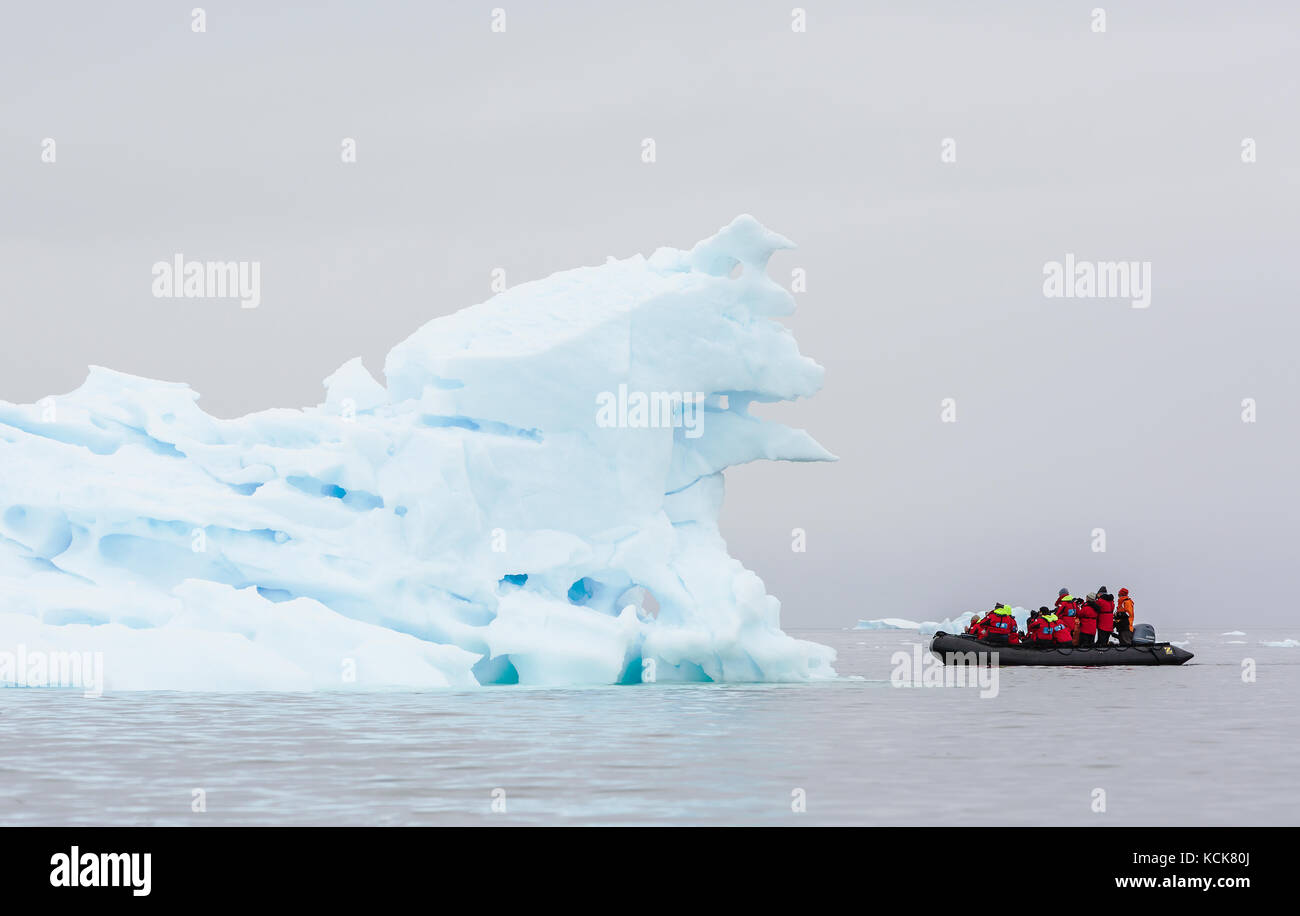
{"points": [[887, 623], [1233, 633], [1282, 644]]}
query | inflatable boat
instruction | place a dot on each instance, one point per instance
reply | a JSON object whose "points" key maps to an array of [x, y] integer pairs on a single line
{"points": [[952, 649]]}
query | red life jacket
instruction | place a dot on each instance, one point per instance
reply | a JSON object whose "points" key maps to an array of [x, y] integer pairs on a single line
{"points": [[1088, 620], [998, 624], [1048, 630], [1105, 614]]}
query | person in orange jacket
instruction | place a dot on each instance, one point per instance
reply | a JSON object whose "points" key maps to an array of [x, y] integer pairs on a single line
{"points": [[1124, 618]]}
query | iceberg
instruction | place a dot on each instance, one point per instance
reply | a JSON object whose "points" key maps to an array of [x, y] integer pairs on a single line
{"points": [[530, 497], [959, 623]]}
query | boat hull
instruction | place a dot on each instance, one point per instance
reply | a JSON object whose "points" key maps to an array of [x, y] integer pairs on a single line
{"points": [[952, 649]]}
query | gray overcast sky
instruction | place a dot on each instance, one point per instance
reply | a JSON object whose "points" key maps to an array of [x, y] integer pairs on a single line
{"points": [[522, 151]]}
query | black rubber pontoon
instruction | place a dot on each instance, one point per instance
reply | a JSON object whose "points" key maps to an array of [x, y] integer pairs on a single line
{"points": [[945, 646]]}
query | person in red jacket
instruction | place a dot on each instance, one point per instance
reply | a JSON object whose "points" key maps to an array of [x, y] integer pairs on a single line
{"points": [[1087, 622], [998, 625], [1033, 625], [1065, 637], [1063, 598], [973, 628], [1068, 611], [1054, 630], [1105, 616], [1046, 627]]}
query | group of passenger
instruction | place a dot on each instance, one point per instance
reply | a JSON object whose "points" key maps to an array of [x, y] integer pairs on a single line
{"points": [[1086, 622]]}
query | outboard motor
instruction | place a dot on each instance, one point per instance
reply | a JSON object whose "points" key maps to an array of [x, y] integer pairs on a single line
{"points": [[1144, 634]]}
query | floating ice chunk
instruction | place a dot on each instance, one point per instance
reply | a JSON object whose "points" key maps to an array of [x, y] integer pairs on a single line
{"points": [[959, 623], [1282, 644], [956, 624], [468, 522]]}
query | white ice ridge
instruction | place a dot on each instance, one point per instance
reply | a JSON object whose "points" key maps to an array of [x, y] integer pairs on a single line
{"points": [[888, 623], [471, 522]]}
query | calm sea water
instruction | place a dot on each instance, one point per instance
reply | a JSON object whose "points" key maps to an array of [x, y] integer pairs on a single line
{"points": [[1189, 745]]}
